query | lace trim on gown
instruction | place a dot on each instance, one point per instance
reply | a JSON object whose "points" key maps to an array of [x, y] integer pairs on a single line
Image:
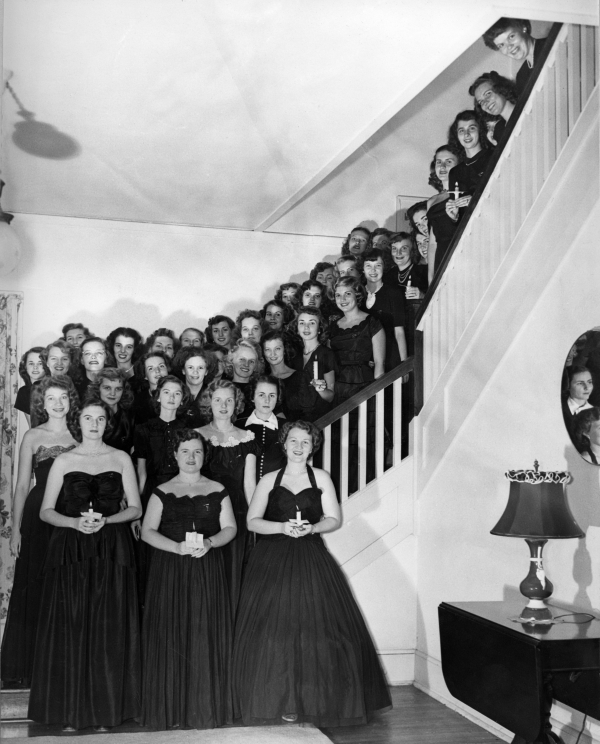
{"points": [[231, 441], [354, 328], [45, 453]]}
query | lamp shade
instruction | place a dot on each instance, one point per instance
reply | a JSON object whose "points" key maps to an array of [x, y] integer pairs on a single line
{"points": [[537, 507]]}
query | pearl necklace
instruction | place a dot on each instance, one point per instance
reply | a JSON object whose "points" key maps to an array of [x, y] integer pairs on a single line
{"points": [[101, 451]]}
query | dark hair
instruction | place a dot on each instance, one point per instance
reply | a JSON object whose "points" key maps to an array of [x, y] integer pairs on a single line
{"points": [[570, 372], [380, 231], [501, 26], [112, 374], [289, 285], [186, 398], [93, 402], [179, 436], [500, 85], [36, 406], [288, 313], [412, 210], [23, 364], [162, 332], [246, 343], [305, 286], [269, 380], [71, 326], [356, 286], [306, 426], [289, 352], [138, 342], [109, 360], [140, 365], [582, 423], [216, 347], [415, 256], [215, 320], [310, 310], [346, 243], [318, 268], [374, 254], [240, 398], [189, 352], [433, 179], [196, 330], [248, 313], [468, 115]]}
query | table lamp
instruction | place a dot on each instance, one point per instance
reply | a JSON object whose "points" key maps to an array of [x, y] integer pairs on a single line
{"points": [[537, 510]]}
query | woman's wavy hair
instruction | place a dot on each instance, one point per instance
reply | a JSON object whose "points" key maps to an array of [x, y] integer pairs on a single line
{"points": [[196, 330], [310, 310], [214, 321], [412, 210], [306, 426], [179, 436], [189, 352], [318, 268], [109, 359], [357, 287], [245, 343], [94, 402], [38, 391], [162, 332], [23, 365], [288, 313], [415, 256], [500, 85], [240, 398], [346, 243], [138, 341], [433, 179], [249, 313], [501, 26], [139, 367], [288, 285], [312, 283], [113, 374], [270, 380], [469, 115], [283, 335], [76, 370], [71, 326], [186, 398]]}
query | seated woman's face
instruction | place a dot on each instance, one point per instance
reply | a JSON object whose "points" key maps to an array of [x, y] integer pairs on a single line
{"points": [[75, 336], [155, 368], [191, 338], [345, 299], [422, 244], [274, 317], [190, 456], [273, 351], [420, 221], [312, 297], [468, 133], [221, 333], [164, 344], [581, 386], [250, 329], [348, 268], [308, 327], [326, 277], [244, 363], [111, 391], [373, 270], [265, 398], [170, 396], [59, 361], [34, 366], [491, 102], [401, 253], [223, 403], [56, 402], [194, 370], [298, 445], [123, 349], [444, 162]]}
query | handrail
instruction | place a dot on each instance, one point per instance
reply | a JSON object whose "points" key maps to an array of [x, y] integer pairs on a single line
{"points": [[463, 224], [380, 383]]}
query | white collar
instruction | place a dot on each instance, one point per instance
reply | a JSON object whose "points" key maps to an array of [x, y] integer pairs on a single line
{"points": [[271, 423], [575, 407]]}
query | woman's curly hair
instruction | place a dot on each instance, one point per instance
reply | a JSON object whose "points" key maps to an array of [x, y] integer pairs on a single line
{"points": [[283, 335], [433, 179], [501, 26], [112, 374], [307, 426], [38, 413], [72, 326], [310, 310], [245, 343], [346, 243], [75, 371], [93, 402], [215, 320], [412, 210], [186, 398], [248, 313], [23, 364], [500, 85], [288, 285], [288, 312], [162, 332], [469, 115], [240, 398], [138, 341], [139, 368], [189, 352], [270, 380], [179, 436], [356, 286]]}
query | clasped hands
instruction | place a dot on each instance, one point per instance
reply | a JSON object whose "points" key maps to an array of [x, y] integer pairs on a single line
{"points": [[195, 552], [89, 526], [297, 528]]}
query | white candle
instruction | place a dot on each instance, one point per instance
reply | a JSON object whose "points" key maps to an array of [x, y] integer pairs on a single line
{"points": [[316, 370], [298, 517], [456, 192]]}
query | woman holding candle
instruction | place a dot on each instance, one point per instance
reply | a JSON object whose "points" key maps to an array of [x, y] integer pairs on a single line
{"points": [[55, 405], [187, 632], [86, 668], [302, 651], [231, 460]]}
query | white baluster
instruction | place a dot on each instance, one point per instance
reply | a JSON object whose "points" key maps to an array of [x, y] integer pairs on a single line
{"points": [[362, 444], [379, 434], [344, 447], [327, 449], [397, 430], [574, 74]]}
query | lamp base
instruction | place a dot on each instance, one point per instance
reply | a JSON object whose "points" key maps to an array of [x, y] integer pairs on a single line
{"points": [[536, 613]]}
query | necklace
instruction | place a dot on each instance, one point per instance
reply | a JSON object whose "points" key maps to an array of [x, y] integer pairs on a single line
{"points": [[403, 275], [221, 431], [308, 353], [100, 451]]}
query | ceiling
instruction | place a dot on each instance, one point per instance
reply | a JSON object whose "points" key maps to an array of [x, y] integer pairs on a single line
{"points": [[223, 114]]}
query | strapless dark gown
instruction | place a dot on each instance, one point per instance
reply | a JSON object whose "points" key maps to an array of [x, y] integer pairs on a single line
{"points": [[301, 644], [86, 669], [187, 633], [24, 606]]}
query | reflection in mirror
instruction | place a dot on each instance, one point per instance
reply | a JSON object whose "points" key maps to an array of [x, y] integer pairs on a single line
{"points": [[581, 395]]}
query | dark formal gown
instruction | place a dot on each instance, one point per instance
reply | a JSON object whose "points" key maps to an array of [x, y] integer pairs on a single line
{"points": [[187, 632], [301, 644], [225, 463], [301, 400], [121, 431], [24, 606], [443, 228], [86, 669]]}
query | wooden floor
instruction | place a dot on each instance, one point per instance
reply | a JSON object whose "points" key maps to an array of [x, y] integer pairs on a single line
{"points": [[415, 718]]}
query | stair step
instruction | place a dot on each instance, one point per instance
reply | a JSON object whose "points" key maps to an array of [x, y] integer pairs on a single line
{"points": [[14, 704]]}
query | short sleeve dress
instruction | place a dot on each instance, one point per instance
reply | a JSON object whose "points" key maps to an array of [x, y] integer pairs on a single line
{"points": [[187, 631], [353, 348]]}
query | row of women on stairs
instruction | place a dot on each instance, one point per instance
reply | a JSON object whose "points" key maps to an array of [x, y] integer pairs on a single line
{"points": [[458, 165], [299, 650]]}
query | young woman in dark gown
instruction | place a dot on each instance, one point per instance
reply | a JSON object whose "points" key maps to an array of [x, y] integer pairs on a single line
{"points": [[32, 369], [187, 632], [112, 387], [302, 651], [231, 460], [86, 669], [148, 371], [57, 407]]}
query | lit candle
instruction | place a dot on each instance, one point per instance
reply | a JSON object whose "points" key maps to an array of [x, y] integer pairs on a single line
{"points": [[456, 193], [298, 517], [91, 515], [315, 370]]}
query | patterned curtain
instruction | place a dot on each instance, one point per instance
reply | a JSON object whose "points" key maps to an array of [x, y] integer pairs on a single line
{"points": [[10, 319]]}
